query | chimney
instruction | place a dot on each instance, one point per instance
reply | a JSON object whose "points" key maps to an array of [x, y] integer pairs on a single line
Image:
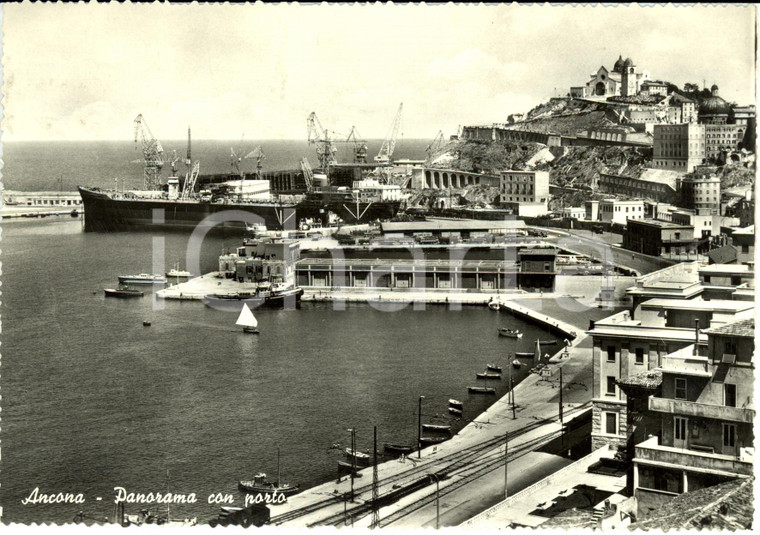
{"points": [[696, 337]]}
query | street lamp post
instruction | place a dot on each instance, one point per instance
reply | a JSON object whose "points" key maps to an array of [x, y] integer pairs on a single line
{"points": [[419, 427]]}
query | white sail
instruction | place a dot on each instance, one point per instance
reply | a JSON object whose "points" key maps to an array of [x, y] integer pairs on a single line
{"points": [[246, 318]]}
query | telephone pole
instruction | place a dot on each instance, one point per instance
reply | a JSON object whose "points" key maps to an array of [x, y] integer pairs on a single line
{"points": [[375, 479]]}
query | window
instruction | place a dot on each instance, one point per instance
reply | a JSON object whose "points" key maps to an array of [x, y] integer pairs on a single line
{"points": [[679, 431], [610, 385], [610, 423], [729, 348], [729, 435], [680, 392], [729, 395], [610, 353], [639, 355], [745, 249]]}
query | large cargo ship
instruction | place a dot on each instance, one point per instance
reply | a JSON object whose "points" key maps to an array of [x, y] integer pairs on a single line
{"points": [[109, 211]]}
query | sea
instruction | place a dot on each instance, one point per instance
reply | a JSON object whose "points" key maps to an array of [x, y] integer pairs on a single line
{"points": [[93, 400]]}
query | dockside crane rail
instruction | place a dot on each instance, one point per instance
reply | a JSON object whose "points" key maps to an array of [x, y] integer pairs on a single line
{"points": [[153, 153], [386, 150]]}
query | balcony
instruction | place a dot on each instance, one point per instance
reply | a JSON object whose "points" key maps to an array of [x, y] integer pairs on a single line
{"points": [[651, 452], [683, 363], [701, 410]]}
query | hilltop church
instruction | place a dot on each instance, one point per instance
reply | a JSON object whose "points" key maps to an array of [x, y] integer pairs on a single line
{"points": [[624, 80]]}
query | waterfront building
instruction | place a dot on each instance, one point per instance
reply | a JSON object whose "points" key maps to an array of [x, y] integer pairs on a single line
{"points": [[706, 405], [714, 110], [370, 189], [619, 211], [465, 228], [47, 199], [678, 147], [269, 259], [537, 269], [660, 238]]}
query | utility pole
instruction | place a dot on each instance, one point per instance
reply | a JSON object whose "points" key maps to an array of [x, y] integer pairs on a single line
{"points": [[353, 461], [506, 449], [375, 479], [419, 428], [512, 391], [561, 422]]}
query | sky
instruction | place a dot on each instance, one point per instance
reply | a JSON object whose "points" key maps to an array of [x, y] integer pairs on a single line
{"points": [[84, 72]]}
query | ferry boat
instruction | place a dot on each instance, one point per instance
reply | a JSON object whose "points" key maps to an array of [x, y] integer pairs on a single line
{"points": [[142, 278], [176, 273], [276, 296]]}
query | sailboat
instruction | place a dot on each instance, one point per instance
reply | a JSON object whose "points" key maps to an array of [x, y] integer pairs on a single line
{"points": [[247, 320]]}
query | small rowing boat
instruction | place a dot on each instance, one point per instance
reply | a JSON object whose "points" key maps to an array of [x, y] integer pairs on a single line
{"points": [[126, 292], [455, 403], [454, 410], [487, 375], [433, 440], [547, 342], [510, 333], [517, 364], [493, 368], [398, 448], [524, 355], [437, 428], [481, 390]]}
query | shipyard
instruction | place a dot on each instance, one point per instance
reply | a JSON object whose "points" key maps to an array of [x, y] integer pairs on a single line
{"points": [[525, 298]]}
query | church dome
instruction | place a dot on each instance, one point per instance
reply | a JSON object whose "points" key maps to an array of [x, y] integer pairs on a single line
{"points": [[628, 62], [619, 64], [714, 105], [714, 88]]}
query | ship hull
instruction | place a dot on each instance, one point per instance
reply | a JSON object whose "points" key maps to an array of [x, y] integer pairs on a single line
{"points": [[350, 211], [106, 214]]}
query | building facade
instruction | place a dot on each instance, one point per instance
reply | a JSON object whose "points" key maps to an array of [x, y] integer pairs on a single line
{"points": [[723, 138], [661, 191], [660, 238], [678, 147], [620, 211], [524, 187], [706, 407], [701, 193]]}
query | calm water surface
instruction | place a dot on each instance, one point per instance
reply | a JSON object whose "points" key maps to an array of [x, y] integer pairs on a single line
{"points": [[93, 400]]}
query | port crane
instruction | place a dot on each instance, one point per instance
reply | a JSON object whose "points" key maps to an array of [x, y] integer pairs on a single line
{"points": [[435, 148], [386, 150], [190, 179], [360, 145], [308, 174], [258, 155], [321, 138], [153, 153]]}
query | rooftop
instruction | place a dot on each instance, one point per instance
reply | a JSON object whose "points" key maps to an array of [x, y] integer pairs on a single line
{"points": [[715, 305], [750, 230], [660, 224], [725, 506], [733, 269], [744, 328], [723, 255], [444, 225], [648, 380]]}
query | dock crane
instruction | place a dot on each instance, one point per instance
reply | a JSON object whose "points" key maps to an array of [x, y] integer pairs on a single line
{"points": [[153, 153], [190, 179], [435, 146], [360, 146], [386, 151], [321, 138], [258, 155], [308, 174]]}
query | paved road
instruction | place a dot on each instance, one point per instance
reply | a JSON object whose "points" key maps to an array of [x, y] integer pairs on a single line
{"points": [[602, 247]]}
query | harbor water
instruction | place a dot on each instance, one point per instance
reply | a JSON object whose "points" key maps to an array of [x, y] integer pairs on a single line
{"points": [[93, 400]]}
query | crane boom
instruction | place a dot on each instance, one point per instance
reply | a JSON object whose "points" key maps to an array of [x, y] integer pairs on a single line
{"points": [[153, 153], [258, 154], [308, 174], [321, 138], [435, 147], [190, 179], [386, 150]]}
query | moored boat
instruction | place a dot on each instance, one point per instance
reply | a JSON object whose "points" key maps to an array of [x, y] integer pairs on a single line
{"points": [[524, 355], [516, 363], [510, 333], [142, 278], [438, 428], [493, 367], [455, 403], [398, 448], [494, 305], [176, 273], [481, 390], [548, 342], [361, 458], [456, 411], [487, 375], [125, 292], [346, 467], [260, 485]]}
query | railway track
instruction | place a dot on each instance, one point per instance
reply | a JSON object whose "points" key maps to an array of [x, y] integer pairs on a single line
{"points": [[458, 462]]}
